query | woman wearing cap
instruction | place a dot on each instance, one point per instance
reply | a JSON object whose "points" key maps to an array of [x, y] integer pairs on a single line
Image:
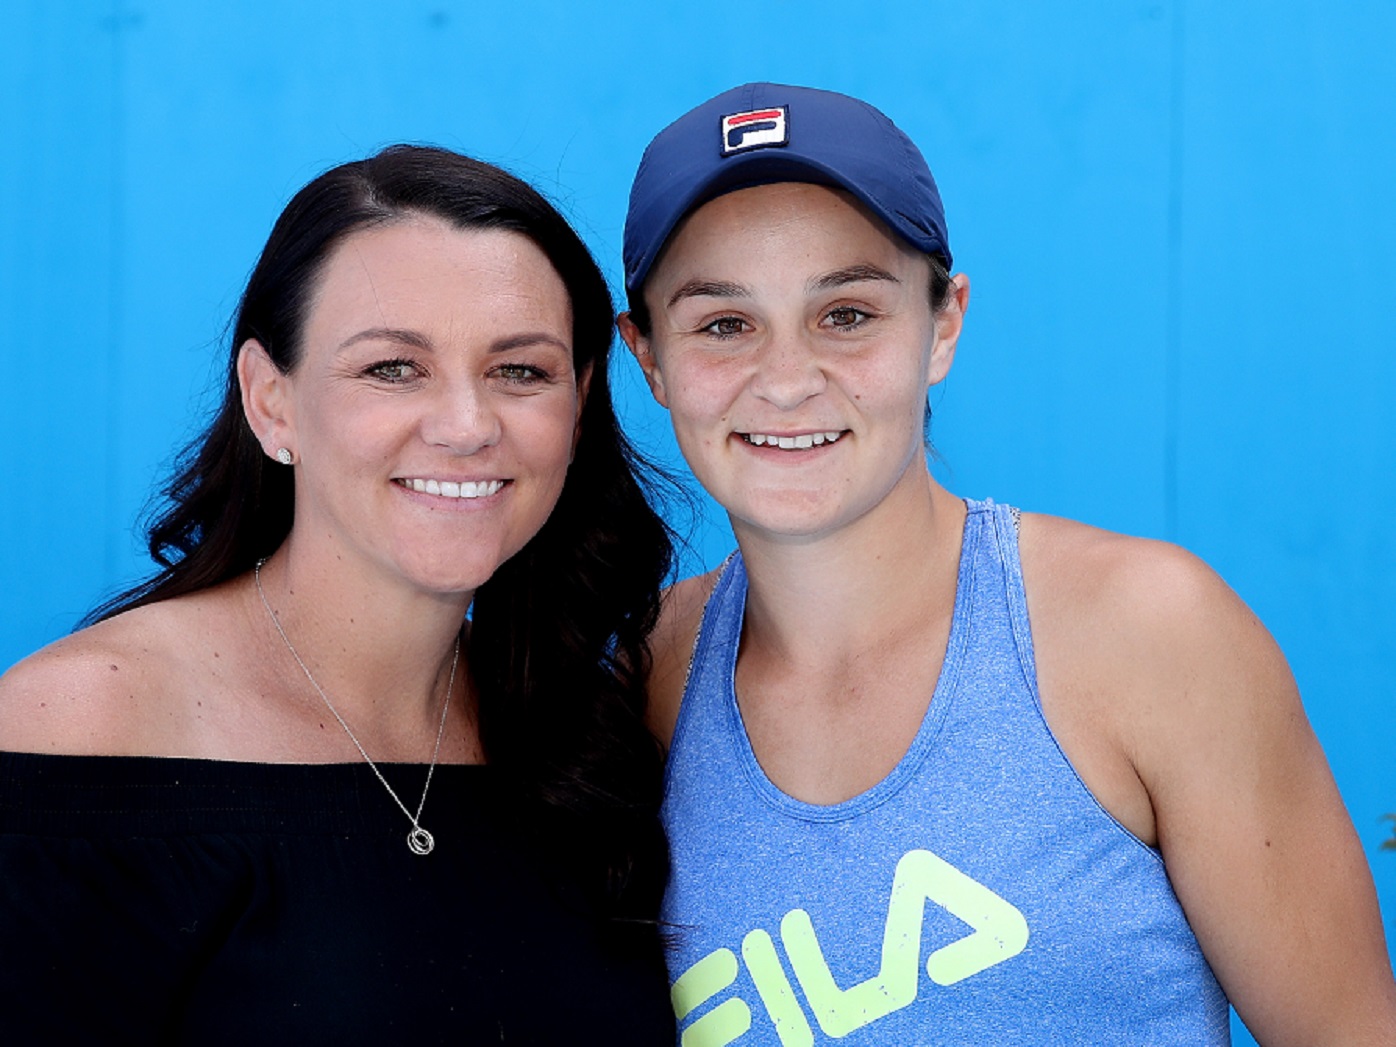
{"points": [[940, 772], [282, 793]]}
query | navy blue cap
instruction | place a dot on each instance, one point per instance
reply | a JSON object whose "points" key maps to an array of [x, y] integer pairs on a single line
{"points": [[762, 133]]}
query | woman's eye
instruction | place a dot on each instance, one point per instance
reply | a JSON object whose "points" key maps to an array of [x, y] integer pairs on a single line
{"points": [[846, 316], [726, 326], [393, 370], [521, 374]]}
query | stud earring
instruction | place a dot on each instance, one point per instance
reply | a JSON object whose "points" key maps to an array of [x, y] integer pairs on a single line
{"points": [[284, 456]]}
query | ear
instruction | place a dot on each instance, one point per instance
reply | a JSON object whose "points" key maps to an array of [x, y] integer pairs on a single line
{"points": [[949, 322], [640, 347], [266, 399]]}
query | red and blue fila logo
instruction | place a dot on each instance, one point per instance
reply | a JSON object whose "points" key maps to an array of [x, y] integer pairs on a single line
{"points": [[751, 130]]}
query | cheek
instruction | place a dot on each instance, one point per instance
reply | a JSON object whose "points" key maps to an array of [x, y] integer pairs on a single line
{"points": [[701, 422], [543, 456], [545, 434], [896, 386], [701, 392], [345, 437]]}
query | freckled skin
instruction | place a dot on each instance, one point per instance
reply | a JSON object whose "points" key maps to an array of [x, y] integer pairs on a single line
{"points": [[1171, 701], [789, 356]]}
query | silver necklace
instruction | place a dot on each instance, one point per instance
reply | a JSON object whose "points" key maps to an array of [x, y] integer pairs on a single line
{"points": [[419, 840]]}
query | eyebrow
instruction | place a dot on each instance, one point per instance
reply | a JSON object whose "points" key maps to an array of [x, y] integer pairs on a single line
{"points": [[389, 334], [709, 289], [417, 340], [522, 341], [853, 274]]}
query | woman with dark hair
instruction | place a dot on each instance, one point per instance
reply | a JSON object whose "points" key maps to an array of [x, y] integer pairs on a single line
{"points": [[283, 791]]}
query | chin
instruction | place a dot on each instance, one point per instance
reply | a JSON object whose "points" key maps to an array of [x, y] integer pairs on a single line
{"points": [[799, 519], [445, 576]]}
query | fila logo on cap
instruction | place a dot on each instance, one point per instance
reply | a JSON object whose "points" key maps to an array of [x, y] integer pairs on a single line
{"points": [[755, 129]]}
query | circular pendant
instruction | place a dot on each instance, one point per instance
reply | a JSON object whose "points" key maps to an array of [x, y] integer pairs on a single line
{"points": [[420, 841]]}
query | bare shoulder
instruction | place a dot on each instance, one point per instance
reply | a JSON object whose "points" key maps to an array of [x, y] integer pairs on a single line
{"points": [[671, 648], [1149, 613], [1145, 642], [1180, 713], [102, 690], [1089, 569]]}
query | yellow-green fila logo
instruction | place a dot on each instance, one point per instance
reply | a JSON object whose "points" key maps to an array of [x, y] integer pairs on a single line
{"points": [[999, 934]]}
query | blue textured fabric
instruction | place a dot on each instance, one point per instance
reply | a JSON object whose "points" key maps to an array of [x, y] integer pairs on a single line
{"points": [[979, 894], [762, 133]]}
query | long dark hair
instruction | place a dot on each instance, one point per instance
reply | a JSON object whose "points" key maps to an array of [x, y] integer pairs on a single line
{"points": [[558, 639]]}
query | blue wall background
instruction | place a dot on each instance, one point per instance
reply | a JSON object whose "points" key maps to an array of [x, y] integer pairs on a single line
{"points": [[1178, 217]]}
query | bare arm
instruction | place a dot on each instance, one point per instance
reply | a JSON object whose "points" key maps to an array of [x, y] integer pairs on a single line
{"points": [[1255, 836], [1181, 713]]}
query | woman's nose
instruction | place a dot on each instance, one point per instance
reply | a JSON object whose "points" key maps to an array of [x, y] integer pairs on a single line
{"points": [[461, 417], [788, 371]]}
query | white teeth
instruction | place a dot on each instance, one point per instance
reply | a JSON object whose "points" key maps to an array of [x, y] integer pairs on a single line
{"points": [[792, 443], [452, 489]]}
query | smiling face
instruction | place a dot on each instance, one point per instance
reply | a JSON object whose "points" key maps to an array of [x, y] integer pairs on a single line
{"points": [[433, 410], [793, 343]]}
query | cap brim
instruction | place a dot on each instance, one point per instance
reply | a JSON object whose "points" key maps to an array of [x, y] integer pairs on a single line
{"points": [[767, 167]]}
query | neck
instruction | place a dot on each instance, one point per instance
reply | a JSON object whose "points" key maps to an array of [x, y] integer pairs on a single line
{"points": [[885, 576], [381, 651]]}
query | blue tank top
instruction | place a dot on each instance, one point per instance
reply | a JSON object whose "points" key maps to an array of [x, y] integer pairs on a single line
{"points": [[979, 894]]}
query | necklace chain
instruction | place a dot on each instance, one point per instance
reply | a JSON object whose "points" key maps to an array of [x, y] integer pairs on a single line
{"points": [[419, 840]]}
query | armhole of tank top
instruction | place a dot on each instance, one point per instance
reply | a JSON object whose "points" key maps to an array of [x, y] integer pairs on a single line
{"points": [[1017, 597], [1027, 664], [681, 721]]}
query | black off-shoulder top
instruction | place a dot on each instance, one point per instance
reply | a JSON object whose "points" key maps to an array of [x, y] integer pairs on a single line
{"points": [[173, 901]]}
